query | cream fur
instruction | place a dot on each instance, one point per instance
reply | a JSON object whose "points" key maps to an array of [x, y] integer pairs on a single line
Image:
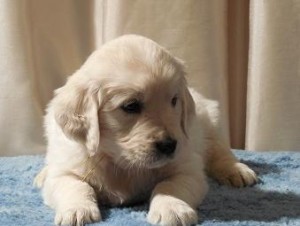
{"points": [[99, 154]]}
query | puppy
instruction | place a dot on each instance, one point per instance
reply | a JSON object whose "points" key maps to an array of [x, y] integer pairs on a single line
{"points": [[126, 128]]}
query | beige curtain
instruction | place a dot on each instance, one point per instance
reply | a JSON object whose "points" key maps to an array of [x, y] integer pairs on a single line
{"points": [[245, 54]]}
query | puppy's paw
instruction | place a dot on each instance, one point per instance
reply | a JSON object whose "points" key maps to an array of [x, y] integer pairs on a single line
{"points": [[78, 214], [166, 210], [237, 175]]}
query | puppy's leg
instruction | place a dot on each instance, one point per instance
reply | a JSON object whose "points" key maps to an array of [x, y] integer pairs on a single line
{"points": [[73, 200], [222, 165], [174, 200]]}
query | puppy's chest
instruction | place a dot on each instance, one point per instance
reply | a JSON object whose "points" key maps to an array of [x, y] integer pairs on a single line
{"points": [[115, 186]]}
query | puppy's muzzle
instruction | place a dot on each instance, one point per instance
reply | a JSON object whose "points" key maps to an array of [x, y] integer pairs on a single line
{"points": [[166, 147]]}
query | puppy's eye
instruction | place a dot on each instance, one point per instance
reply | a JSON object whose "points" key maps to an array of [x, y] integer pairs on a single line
{"points": [[174, 101], [132, 107]]}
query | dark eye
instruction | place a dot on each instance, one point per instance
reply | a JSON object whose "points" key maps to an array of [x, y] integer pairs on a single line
{"points": [[132, 107], [174, 101]]}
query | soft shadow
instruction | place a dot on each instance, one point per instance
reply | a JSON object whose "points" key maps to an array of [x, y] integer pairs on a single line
{"points": [[229, 204], [258, 203]]}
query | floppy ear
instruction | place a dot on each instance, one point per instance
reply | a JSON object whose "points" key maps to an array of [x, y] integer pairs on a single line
{"points": [[188, 109], [76, 111]]}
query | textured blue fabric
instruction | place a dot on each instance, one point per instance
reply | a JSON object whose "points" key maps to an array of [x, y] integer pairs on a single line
{"points": [[274, 201]]}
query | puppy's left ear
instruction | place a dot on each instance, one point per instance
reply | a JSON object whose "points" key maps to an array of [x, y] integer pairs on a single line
{"points": [[188, 109], [75, 108]]}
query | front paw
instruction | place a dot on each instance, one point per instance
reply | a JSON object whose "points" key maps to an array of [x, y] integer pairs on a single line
{"points": [[78, 214], [167, 210], [237, 174]]}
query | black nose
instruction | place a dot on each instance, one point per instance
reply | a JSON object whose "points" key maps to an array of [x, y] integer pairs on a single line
{"points": [[166, 146]]}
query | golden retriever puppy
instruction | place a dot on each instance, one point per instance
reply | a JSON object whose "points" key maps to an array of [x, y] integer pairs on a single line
{"points": [[126, 128]]}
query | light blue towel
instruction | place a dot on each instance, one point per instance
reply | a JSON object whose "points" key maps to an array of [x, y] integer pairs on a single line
{"points": [[274, 201]]}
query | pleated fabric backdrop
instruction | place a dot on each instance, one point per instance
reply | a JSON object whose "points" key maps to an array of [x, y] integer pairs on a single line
{"points": [[245, 54]]}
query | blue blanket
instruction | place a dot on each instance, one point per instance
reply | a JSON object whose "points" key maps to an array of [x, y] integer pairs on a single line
{"points": [[274, 201]]}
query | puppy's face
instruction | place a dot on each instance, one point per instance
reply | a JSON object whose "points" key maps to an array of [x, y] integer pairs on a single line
{"points": [[144, 105], [140, 121]]}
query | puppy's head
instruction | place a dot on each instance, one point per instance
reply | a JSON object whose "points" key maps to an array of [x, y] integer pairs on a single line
{"points": [[129, 100]]}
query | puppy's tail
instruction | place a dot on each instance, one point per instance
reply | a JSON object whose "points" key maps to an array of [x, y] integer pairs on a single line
{"points": [[40, 178]]}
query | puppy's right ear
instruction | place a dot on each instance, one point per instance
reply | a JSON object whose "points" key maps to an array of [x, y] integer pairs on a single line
{"points": [[76, 111]]}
